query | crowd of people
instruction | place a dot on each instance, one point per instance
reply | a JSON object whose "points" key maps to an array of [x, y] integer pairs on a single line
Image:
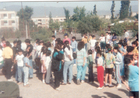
{"points": [[55, 60]]}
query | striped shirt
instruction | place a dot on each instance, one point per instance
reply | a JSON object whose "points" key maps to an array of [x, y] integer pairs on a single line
{"points": [[80, 57]]}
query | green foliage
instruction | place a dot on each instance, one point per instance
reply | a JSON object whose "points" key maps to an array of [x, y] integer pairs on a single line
{"points": [[43, 34], [94, 10], [25, 13], [89, 24], [124, 11], [17, 34], [118, 28], [130, 11], [50, 20], [67, 14], [112, 10], [54, 26]]}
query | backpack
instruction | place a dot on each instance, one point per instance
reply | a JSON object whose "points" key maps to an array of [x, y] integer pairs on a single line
{"points": [[9, 90], [55, 64]]}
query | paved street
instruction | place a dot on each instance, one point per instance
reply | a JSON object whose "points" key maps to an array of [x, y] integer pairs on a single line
{"points": [[85, 90]]}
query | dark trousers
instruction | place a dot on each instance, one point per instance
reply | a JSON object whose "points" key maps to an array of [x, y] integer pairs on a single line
{"points": [[57, 78], [7, 67], [90, 75]]}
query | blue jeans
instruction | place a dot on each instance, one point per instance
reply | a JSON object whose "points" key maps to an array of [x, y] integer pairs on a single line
{"points": [[81, 72], [26, 75], [68, 65], [31, 69], [86, 46], [19, 73], [74, 50], [118, 73]]}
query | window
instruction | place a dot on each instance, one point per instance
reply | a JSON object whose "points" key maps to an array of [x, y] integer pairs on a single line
{"points": [[5, 22]]}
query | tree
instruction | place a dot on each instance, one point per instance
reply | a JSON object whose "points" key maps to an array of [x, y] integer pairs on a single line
{"points": [[67, 14], [130, 11], [112, 10], [124, 11], [79, 13], [50, 20], [94, 10], [25, 13]]}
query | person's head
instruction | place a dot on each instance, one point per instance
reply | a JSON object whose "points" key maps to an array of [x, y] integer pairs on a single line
{"points": [[57, 40], [106, 33], [48, 44], [61, 44], [116, 49], [53, 37], [15, 43], [120, 44], [99, 53], [8, 44], [57, 47], [26, 54], [19, 42], [89, 52], [93, 36], [114, 34], [45, 45], [44, 52], [109, 49], [125, 45], [134, 43], [130, 49], [97, 48], [102, 35], [107, 45], [41, 42], [125, 30], [73, 38], [37, 43], [27, 41], [37, 40], [97, 44], [80, 45], [128, 60], [66, 44], [20, 52], [48, 53], [65, 35]]}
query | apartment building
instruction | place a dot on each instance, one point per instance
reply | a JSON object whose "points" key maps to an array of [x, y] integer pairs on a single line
{"points": [[44, 21], [8, 19]]}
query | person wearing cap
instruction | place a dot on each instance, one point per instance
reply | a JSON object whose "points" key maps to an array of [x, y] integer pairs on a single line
{"points": [[66, 38]]}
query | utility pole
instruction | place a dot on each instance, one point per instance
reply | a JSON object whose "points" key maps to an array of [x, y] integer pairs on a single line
{"points": [[26, 31]]}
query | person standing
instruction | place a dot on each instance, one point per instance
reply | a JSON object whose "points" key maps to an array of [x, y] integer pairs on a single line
{"points": [[66, 38], [68, 62], [53, 42], [29, 49], [102, 41], [107, 38], [8, 56], [81, 62], [126, 35], [84, 39], [114, 39], [74, 47]]}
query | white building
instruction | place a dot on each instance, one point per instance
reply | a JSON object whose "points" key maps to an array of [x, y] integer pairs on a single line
{"points": [[8, 19], [44, 21]]}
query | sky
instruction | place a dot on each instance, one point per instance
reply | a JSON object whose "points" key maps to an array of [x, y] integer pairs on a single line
{"points": [[101, 5]]}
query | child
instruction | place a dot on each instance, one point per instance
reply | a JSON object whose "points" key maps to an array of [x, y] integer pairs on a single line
{"points": [[92, 42], [19, 60], [119, 66], [100, 70], [74, 47], [109, 60], [90, 66], [26, 69], [43, 66], [48, 66]]}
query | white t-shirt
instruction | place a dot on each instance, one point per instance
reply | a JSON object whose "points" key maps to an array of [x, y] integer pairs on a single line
{"points": [[1, 58], [48, 62], [38, 49], [68, 52], [102, 39], [53, 42], [100, 61], [92, 42], [107, 39], [126, 34], [19, 59]]}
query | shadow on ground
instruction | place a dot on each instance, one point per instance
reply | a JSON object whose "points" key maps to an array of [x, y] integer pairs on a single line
{"points": [[125, 91], [110, 95], [97, 96]]}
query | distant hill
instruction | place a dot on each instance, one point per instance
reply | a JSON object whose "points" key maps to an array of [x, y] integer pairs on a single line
{"points": [[41, 11]]}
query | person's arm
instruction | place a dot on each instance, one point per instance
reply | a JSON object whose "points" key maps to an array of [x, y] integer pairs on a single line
{"points": [[27, 65]]}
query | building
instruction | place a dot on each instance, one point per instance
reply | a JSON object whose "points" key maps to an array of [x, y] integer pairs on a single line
{"points": [[44, 21], [8, 19]]}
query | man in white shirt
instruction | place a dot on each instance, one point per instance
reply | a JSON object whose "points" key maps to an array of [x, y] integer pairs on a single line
{"points": [[92, 42], [53, 42], [107, 38], [126, 35]]}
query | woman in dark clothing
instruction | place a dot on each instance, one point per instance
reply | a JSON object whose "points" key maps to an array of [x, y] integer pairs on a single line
{"points": [[57, 65]]}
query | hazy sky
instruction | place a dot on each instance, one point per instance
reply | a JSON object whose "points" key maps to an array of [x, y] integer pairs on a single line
{"points": [[101, 5]]}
